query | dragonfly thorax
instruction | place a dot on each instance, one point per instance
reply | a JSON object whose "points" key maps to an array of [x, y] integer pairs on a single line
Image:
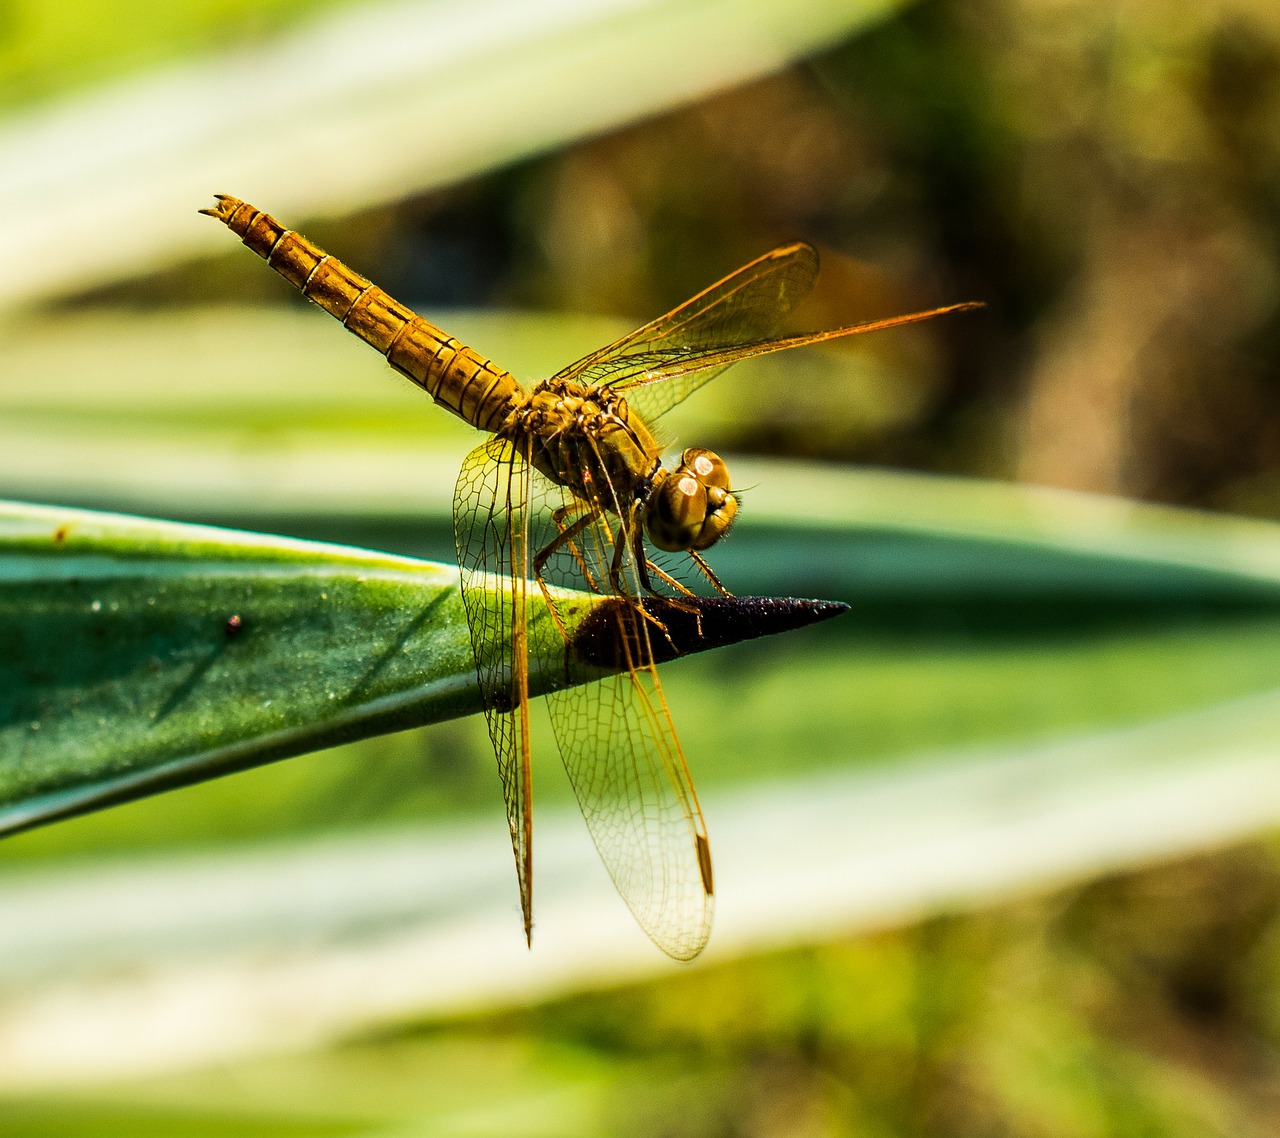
{"points": [[690, 507], [588, 439]]}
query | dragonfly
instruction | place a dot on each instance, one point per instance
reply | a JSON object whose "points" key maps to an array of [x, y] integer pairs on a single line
{"points": [[569, 490]]}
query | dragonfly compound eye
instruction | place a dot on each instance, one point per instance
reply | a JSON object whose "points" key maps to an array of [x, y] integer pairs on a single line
{"points": [[691, 507], [706, 466]]}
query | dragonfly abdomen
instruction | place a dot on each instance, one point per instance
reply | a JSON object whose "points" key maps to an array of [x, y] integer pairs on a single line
{"points": [[456, 377]]}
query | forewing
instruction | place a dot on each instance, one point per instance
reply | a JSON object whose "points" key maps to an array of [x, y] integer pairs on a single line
{"points": [[491, 525], [658, 380], [622, 754], [747, 306]]}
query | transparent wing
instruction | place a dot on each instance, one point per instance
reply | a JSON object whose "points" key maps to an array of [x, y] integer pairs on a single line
{"points": [[491, 525], [668, 359], [619, 744], [665, 378], [615, 736], [624, 760], [746, 306]]}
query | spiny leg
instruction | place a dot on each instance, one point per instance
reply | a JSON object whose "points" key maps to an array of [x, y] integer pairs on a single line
{"points": [[619, 552], [564, 537], [646, 566], [559, 517], [667, 579], [701, 563], [643, 565]]}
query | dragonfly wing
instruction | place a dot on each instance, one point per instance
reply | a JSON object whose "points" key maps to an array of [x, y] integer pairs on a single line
{"points": [[628, 771], [491, 530], [660, 379], [620, 748], [668, 359], [615, 736], [748, 305]]}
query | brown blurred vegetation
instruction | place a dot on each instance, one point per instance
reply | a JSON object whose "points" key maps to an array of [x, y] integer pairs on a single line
{"points": [[1106, 176]]}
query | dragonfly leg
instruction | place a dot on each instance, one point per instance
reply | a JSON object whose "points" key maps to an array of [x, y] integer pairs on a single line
{"points": [[619, 552], [643, 568], [627, 594], [566, 536], [638, 605], [643, 564], [646, 566], [701, 563], [560, 517], [667, 579], [689, 606]]}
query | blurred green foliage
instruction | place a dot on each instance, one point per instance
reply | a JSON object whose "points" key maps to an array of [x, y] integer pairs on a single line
{"points": [[48, 50], [1134, 1005], [1107, 178], [1140, 1004]]}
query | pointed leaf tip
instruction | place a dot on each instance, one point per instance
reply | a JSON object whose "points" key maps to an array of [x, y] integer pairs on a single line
{"points": [[696, 624]]}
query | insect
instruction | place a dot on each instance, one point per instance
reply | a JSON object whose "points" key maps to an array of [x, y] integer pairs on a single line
{"points": [[569, 488]]}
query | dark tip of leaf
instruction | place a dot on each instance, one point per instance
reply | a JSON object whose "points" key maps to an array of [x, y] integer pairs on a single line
{"points": [[695, 624]]}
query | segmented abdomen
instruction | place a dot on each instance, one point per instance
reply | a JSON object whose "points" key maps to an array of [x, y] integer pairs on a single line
{"points": [[459, 379]]}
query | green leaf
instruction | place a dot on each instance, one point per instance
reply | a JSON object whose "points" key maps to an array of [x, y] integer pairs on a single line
{"points": [[139, 655]]}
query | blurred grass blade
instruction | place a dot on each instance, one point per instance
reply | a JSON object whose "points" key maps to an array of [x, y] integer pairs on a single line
{"points": [[388, 99]]}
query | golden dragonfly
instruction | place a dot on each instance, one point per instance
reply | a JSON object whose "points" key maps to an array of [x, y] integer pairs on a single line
{"points": [[569, 488]]}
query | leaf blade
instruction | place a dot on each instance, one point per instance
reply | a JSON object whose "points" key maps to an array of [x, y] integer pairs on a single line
{"points": [[137, 655]]}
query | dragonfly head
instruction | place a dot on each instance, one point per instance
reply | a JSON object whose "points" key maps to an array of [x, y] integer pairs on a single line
{"points": [[690, 507]]}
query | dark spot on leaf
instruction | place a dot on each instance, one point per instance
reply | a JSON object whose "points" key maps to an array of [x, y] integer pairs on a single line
{"points": [[60, 534]]}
